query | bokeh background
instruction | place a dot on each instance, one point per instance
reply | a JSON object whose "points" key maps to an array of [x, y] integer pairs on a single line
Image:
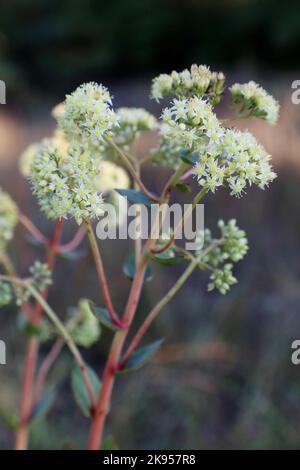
{"points": [[224, 377]]}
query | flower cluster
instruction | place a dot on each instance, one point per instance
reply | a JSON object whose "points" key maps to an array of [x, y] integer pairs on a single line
{"points": [[234, 158], [168, 152], [198, 81], [6, 294], [187, 124], [220, 253], [40, 279], [65, 187], [27, 157], [252, 98], [132, 121], [8, 219], [41, 276], [87, 330], [225, 156], [87, 116]]}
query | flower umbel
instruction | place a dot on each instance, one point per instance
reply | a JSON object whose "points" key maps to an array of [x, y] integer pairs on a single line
{"points": [[252, 98], [65, 187], [198, 81], [88, 114], [220, 254]]}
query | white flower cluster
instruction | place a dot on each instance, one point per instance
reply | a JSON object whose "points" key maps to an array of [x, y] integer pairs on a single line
{"points": [[41, 276], [132, 121], [235, 158], [65, 187], [219, 254], [8, 219], [28, 156], [225, 156], [198, 81], [87, 115], [252, 98]]}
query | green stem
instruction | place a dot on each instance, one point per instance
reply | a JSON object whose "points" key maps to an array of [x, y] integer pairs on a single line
{"points": [[157, 309], [63, 332]]}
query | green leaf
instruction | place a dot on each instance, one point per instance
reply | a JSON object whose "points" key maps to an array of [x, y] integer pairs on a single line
{"points": [[79, 389], [9, 418], [27, 327], [129, 269], [34, 242], [110, 444], [136, 197], [43, 406], [167, 258], [103, 316], [140, 357], [73, 255], [183, 187], [189, 158]]}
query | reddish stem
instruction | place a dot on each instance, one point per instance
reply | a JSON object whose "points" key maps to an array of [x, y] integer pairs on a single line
{"points": [[21, 442], [45, 368], [98, 421], [157, 251], [187, 175], [101, 274], [96, 433], [74, 243], [35, 232]]}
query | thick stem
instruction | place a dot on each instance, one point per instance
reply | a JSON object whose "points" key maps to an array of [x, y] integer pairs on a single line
{"points": [[74, 243], [101, 273], [157, 309], [96, 433]]}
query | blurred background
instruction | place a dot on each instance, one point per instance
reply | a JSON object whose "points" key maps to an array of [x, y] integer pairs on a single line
{"points": [[223, 379]]}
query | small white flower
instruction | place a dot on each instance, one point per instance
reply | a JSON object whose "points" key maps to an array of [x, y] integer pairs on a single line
{"points": [[88, 114], [253, 98]]}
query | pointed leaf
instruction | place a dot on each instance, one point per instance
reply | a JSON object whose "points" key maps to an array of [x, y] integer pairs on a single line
{"points": [[28, 327], [167, 258], [136, 197], [79, 389], [73, 255], [189, 158], [103, 316], [129, 269], [140, 357], [183, 187], [34, 241]]}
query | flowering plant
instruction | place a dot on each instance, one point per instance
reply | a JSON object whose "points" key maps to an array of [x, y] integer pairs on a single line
{"points": [[91, 159]]}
